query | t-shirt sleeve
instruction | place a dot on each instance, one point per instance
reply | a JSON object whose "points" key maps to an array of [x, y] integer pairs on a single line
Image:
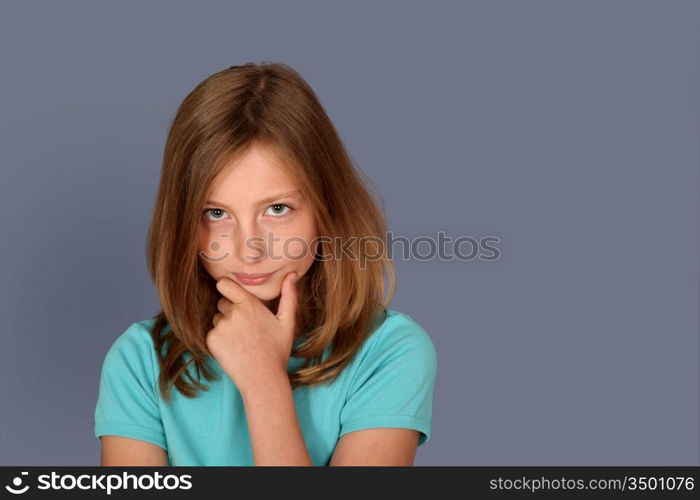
{"points": [[127, 403], [394, 381]]}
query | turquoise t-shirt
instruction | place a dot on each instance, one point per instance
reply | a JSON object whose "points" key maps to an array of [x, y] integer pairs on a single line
{"points": [[389, 383]]}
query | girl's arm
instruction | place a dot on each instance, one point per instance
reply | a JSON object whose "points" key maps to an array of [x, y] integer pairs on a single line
{"points": [[378, 447], [122, 451], [276, 437], [275, 433]]}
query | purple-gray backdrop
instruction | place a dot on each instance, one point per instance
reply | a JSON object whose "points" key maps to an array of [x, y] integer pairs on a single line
{"points": [[569, 130]]}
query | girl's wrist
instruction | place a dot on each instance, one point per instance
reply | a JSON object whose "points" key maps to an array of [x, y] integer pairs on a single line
{"points": [[266, 386]]}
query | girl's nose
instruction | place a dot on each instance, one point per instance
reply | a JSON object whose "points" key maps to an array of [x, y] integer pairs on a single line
{"points": [[249, 243]]}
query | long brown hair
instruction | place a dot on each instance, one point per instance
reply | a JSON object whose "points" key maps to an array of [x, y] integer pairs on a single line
{"points": [[341, 299]]}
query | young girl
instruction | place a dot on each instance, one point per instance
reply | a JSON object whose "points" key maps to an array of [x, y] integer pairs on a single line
{"points": [[275, 344]]}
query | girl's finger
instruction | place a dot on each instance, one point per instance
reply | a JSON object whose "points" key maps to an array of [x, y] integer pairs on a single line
{"points": [[233, 291], [223, 305], [217, 318]]}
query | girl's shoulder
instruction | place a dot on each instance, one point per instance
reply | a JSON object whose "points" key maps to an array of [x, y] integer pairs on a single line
{"points": [[131, 361], [397, 325], [135, 343], [396, 334], [138, 331]]}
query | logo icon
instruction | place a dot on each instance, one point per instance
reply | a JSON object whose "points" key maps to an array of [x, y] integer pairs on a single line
{"points": [[214, 246], [17, 482]]}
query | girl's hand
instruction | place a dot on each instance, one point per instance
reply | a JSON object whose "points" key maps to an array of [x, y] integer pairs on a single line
{"points": [[251, 344]]}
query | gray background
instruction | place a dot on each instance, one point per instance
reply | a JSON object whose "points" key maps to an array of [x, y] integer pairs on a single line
{"points": [[570, 130]]}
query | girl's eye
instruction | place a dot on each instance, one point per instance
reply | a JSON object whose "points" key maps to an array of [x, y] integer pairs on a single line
{"points": [[276, 209], [216, 211]]}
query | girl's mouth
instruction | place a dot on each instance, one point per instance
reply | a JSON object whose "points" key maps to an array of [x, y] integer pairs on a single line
{"points": [[253, 279]]}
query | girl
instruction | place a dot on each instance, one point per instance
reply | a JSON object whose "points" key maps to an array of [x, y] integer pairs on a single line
{"points": [[267, 252]]}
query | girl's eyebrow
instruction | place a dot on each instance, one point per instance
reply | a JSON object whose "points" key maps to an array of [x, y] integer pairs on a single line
{"points": [[270, 199]]}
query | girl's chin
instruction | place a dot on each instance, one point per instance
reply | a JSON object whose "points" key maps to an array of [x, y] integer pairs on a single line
{"points": [[267, 296]]}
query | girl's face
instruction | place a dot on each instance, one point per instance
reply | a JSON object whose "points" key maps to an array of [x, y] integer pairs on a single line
{"points": [[256, 221]]}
